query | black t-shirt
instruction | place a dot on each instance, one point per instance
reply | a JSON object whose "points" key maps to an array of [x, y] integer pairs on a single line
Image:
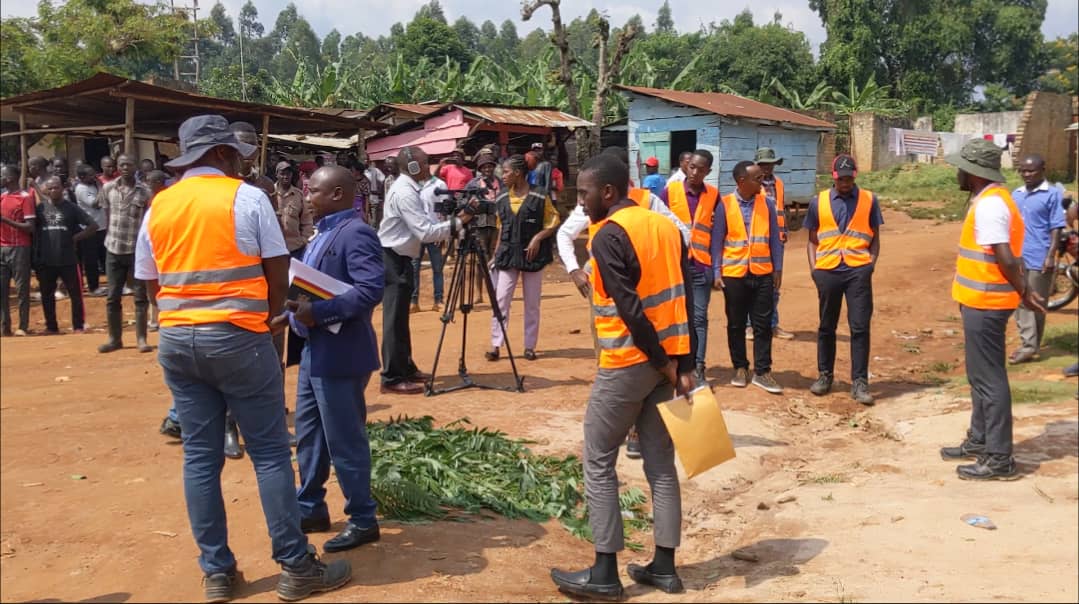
{"points": [[54, 229]]}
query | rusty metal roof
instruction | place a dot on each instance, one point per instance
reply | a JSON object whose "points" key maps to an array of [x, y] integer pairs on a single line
{"points": [[99, 101], [417, 108], [543, 117], [734, 106]]}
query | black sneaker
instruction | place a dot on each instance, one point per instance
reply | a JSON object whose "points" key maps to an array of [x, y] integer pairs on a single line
{"points": [[989, 467], [633, 447], [967, 449], [698, 374], [823, 385], [311, 576], [170, 427], [218, 587]]}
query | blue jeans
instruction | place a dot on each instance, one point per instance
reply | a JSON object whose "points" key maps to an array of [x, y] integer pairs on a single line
{"points": [[437, 262], [702, 295], [331, 425], [216, 368]]}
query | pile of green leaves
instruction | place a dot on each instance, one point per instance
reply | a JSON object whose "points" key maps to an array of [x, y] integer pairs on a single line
{"points": [[420, 472]]}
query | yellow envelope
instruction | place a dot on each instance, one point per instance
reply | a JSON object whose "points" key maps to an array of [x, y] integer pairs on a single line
{"points": [[698, 431]]}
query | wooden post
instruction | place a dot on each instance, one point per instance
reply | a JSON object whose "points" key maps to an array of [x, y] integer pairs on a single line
{"points": [[361, 148], [129, 127], [265, 141], [24, 155]]}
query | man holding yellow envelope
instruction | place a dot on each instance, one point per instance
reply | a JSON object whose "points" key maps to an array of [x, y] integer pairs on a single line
{"points": [[646, 347]]}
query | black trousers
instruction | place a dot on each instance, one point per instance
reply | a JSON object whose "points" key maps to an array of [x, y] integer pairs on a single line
{"points": [[92, 255], [752, 296], [120, 268], [397, 364], [46, 277], [856, 285], [990, 394]]}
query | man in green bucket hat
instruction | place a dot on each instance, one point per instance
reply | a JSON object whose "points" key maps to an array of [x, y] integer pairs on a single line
{"points": [[989, 284], [772, 185]]}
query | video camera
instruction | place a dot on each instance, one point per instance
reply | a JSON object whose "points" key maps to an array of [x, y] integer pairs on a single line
{"points": [[461, 199]]}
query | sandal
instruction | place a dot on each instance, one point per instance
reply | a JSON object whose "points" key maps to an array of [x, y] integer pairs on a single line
{"points": [[530, 354], [491, 355]]}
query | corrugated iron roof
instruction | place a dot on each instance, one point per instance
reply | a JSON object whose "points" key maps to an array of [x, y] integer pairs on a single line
{"points": [[416, 108], [523, 116], [733, 106]]}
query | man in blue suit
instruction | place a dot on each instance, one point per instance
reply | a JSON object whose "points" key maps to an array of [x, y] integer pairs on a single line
{"points": [[331, 413]]}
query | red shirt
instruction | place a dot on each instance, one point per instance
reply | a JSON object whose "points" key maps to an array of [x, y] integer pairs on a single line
{"points": [[456, 177], [16, 206], [101, 178]]}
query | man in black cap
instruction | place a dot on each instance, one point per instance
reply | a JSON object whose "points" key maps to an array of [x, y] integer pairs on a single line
{"points": [[844, 240], [989, 284], [212, 254]]}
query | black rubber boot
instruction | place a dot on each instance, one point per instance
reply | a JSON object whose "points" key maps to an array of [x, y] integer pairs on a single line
{"points": [[116, 331]]}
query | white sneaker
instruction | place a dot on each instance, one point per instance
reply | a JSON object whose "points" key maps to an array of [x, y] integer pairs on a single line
{"points": [[60, 295]]}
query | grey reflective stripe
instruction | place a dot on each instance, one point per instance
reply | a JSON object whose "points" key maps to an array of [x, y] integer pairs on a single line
{"points": [[827, 234], [700, 227], [735, 262], [857, 235], [821, 254], [222, 275], [666, 295], [759, 239], [736, 244], [984, 287], [605, 311], [979, 256], [761, 259], [678, 329], [246, 304], [699, 246]]}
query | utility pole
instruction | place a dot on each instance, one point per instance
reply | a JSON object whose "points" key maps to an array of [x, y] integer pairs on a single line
{"points": [[189, 58], [243, 76]]}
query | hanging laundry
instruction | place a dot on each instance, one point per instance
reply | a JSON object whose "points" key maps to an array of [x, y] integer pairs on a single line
{"points": [[1000, 140], [920, 142], [895, 141]]}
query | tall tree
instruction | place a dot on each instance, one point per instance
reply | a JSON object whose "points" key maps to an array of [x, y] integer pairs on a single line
{"points": [[468, 34], [331, 47], [1061, 65], [664, 21], [250, 26], [434, 40], [508, 40], [225, 32], [432, 10]]}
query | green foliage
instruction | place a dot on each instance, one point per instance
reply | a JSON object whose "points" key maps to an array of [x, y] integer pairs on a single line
{"points": [[1062, 65], [430, 39], [933, 51], [816, 98], [664, 21], [420, 472], [1064, 338], [871, 97]]}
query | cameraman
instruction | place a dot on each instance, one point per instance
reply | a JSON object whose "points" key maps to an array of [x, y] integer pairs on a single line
{"points": [[486, 225], [405, 227]]}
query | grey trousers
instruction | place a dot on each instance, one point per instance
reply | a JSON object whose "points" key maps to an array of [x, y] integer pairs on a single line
{"points": [[621, 398], [15, 266], [990, 393], [1031, 322]]}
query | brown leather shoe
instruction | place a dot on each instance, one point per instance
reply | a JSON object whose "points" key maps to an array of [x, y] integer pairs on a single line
{"points": [[419, 377], [402, 388]]}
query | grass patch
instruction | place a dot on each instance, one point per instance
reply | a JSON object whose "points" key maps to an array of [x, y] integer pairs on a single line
{"points": [[831, 478], [1041, 391], [1064, 338], [923, 191], [912, 348], [941, 367]]}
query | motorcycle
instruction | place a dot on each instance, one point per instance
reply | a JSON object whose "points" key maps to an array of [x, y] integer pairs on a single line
{"points": [[1065, 286]]}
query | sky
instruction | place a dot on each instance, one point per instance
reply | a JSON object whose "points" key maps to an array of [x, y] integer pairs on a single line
{"points": [[375, 18]]}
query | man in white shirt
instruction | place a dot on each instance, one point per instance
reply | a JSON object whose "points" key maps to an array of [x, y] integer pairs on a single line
{"points": [[434, 250], [989, 284], [405, 227], [679, 175]]}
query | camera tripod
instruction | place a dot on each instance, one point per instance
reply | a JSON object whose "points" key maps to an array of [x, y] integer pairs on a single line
{"points": [[461, 294]]}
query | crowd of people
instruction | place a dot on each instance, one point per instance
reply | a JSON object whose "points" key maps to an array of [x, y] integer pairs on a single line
{"points": [[207, 246]]}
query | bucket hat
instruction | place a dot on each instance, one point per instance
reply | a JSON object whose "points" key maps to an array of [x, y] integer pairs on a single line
{"points": [[201, 133]]}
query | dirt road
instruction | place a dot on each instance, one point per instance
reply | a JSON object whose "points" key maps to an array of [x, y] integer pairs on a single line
{"points": [[92, 501]]}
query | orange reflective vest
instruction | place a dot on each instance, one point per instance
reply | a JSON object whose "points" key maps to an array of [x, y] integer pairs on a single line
{"points": [[700, 235], [657, 244], [979, 282], [203, 275], [852, 245], [781, 216], [642, 197], [747, 252]]}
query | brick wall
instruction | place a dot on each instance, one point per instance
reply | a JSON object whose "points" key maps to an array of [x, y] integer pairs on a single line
{"points": [[1041, 131], [869, 141]]}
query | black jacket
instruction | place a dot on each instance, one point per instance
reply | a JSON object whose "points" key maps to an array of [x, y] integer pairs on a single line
{"points": [[517, 232]]}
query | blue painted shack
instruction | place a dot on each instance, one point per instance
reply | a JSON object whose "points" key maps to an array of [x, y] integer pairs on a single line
{"points": [[664, 123]]}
